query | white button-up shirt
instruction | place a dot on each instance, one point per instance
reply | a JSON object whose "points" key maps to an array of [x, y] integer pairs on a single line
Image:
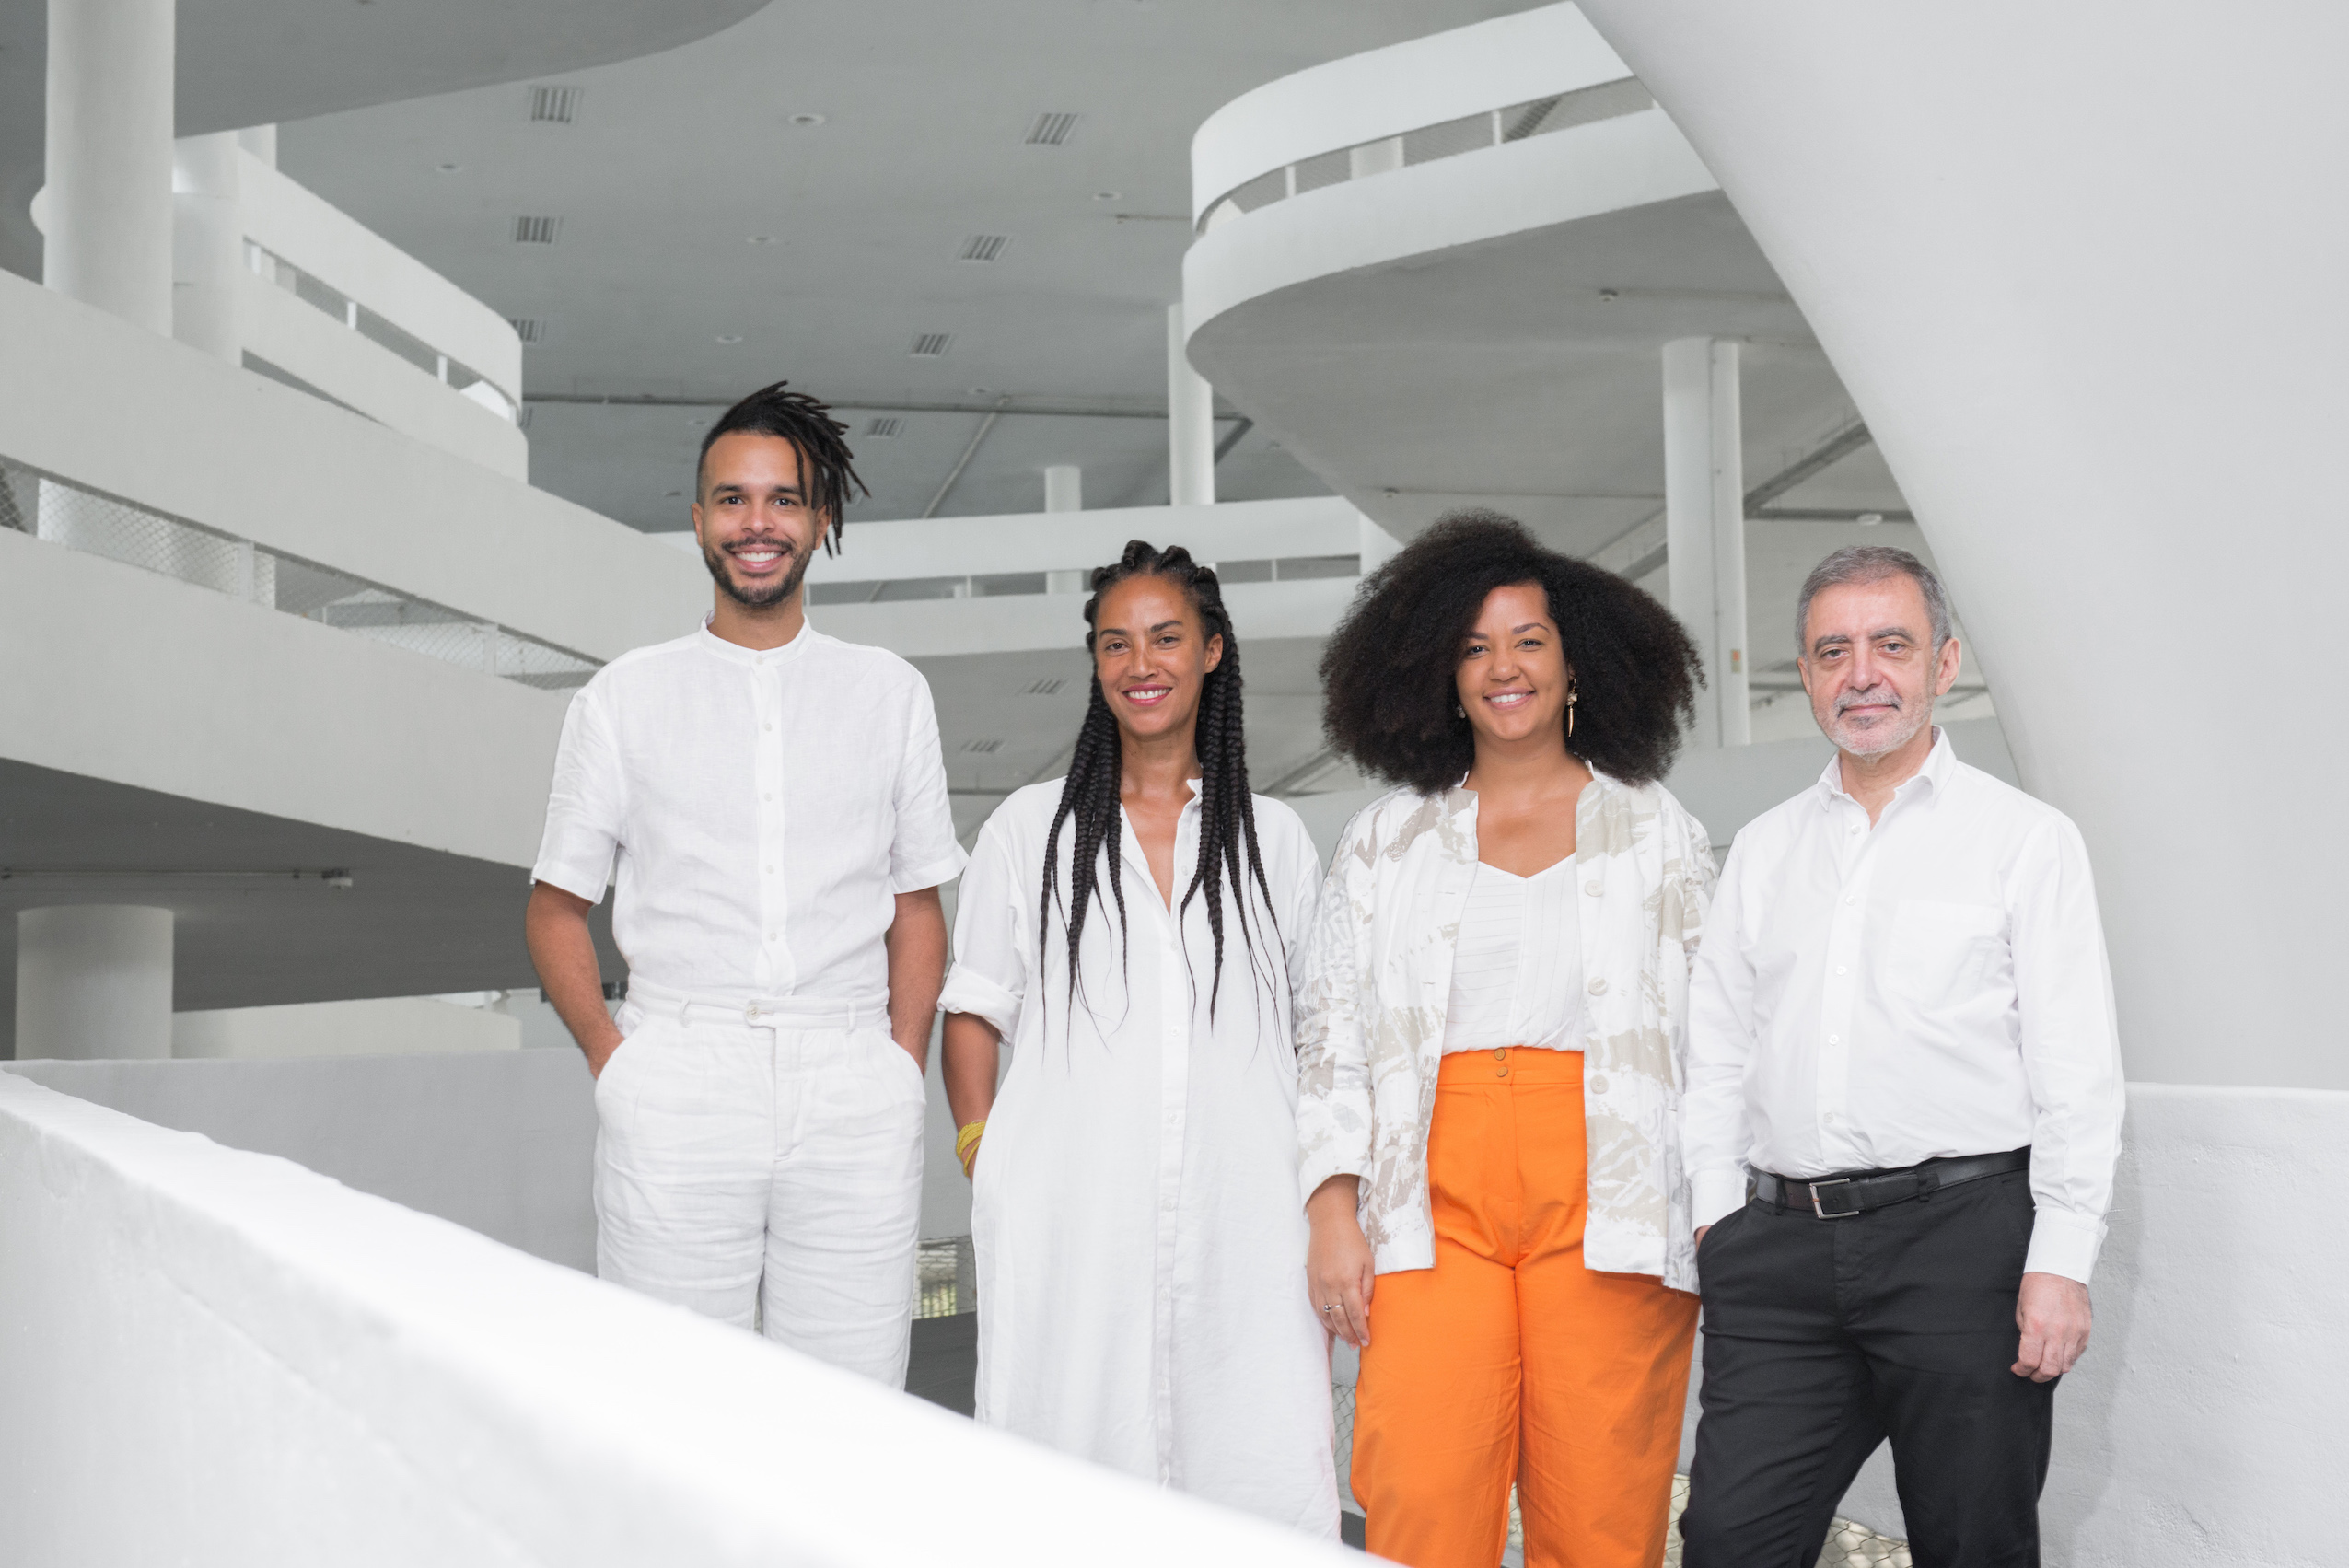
{"points": [[765, 808], [1867, 999]]}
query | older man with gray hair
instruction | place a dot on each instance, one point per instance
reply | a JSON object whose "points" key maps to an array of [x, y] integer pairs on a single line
{"points": [[1903, 1114]]}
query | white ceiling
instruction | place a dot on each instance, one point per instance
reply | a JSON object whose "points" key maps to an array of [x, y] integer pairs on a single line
{"points": [[675, 164]]}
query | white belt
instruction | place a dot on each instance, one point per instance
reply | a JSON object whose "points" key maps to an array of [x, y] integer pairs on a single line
{"points": [[763, 1012]]}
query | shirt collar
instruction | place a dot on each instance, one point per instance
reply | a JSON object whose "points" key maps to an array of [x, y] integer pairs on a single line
{"points": [[1939, 763], [736, 653]]}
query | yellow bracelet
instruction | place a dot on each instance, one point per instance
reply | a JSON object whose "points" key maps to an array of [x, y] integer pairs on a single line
{"points": [[966, 1143]]}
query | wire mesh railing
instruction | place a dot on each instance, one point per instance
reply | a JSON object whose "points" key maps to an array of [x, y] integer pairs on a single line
{"points": [[82, 519], [947, 1275], [996, 585], [1428, 143]]}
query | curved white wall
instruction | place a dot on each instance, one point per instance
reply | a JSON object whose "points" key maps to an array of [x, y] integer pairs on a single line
{"points": [[219, 1358], [1631, 161], [1386, 92], [2081, 270]]}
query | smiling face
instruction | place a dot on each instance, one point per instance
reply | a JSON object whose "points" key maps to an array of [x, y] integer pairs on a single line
{"points": [[752, 520], [1152, 656], [1869, 664], [1512, 677]]}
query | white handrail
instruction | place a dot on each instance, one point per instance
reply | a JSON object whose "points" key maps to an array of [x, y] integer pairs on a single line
{"points": [[1389, 92]]}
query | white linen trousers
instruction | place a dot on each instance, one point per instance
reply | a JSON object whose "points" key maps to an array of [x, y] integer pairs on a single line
{"points": [[1141, 1248], [760, 1162]]}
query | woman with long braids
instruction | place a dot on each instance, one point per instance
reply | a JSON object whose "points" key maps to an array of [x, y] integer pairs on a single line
{"points": [[1492, 1020], [1128, 930]]}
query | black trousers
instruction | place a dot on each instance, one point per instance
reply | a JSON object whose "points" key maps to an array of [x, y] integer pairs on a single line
{"points": [[1824, 1337]]}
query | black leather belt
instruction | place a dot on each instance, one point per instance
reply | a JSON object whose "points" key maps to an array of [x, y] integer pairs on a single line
{"points": [[1840, 1197]]}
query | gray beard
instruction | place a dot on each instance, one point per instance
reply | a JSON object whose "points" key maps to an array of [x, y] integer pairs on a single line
{"points": [[1882, 739], [781, 593]]}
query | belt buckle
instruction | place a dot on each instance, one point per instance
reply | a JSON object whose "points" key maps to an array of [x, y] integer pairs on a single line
{"points": [[1819, 1209]]}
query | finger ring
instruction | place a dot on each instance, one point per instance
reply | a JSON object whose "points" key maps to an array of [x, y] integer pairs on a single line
{"points": [[1333, 1306]]}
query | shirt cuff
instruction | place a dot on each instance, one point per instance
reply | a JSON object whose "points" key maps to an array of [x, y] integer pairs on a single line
{"points": [[2063, 1243], [936, 874], [1712, 1193], [967, 991], [579, 881], [1316, 1168]]}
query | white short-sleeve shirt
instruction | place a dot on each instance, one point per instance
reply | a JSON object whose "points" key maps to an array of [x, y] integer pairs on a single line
{"points": [[764, 810]]}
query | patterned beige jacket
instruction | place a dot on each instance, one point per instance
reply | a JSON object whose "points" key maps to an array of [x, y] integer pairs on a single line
{"points": [[1377, 976]]}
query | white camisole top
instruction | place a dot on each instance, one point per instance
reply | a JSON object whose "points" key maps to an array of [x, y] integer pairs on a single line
{"points": [[1517, 965]]}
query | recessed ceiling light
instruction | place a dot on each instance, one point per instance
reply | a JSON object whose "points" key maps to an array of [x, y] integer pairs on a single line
{"points": [[885, 428], [1053, 128], [528, 329], [450, 167], [982, 248], [762, 240], [804, 120], [554, 105], [536, 230], [729, 337], [932, 345]]}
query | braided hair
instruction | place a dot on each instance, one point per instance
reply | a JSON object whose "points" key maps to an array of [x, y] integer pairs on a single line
{"points": [[1090, 796], [827, 469]]}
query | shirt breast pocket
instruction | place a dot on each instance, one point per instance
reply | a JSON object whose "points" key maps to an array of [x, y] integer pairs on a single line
{"points": [[1940, 952]]}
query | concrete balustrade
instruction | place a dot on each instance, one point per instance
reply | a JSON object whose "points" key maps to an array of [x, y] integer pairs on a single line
{"points": [[219, 1358]]}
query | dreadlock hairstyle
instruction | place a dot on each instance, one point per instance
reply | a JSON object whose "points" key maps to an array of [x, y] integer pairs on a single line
{"points": [[827, 468], [1090, 799]]}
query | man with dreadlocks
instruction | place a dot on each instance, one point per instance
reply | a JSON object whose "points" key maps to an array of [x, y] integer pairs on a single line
{"points": [[778, 807], [1129, 929]]}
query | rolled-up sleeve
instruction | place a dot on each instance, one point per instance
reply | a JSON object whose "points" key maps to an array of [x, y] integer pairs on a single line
{"points": [[1714, 1138], [2070, 1047], [991, 937], [1333, 1056], [586, 806], [924, 852]]}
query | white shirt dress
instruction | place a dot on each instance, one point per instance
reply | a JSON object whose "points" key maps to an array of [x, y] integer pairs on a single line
{"points": [[1140, 1249]]}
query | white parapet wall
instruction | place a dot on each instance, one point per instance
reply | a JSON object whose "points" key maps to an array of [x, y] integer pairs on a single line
{"points": [[218, 1358]]}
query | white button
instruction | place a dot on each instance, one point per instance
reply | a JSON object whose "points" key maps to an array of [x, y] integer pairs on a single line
{"points": [[771, 937], [1593, 888], [771, 798], [771, 730], [1829, 1117], [1832, 1039], [1839, 969], [771, 872], [1597, 985], [1847, 899]]}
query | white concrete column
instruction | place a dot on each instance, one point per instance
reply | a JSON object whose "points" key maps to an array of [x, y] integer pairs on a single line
{"points": [[1190, 422], [1705, 526], [208, 245], [108, 206], [94, 980], [1064, 488], [261, 141]]}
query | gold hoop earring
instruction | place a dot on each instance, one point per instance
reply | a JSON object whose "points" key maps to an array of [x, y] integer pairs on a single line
{"points": [[1573, 695]]}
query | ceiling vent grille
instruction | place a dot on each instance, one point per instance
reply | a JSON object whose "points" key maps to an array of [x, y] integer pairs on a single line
{"points": [[1051, 128], [554, 106], [537, 231], [933, 345], [982, 246], [1052, 688], [527, 328], [885, 428], [982, 748]]}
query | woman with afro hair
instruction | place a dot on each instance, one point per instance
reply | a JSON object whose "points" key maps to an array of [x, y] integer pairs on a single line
{"points": [[1492, 1013]]}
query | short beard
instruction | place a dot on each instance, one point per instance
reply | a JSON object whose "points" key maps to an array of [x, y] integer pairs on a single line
{"points": [[1881, 739], [764, 599]]}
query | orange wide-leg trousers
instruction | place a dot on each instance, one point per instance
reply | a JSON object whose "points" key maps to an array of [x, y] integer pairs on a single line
{"points": [[1509, 1360]]}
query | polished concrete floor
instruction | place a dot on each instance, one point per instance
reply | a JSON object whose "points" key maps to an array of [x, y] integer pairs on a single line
{"points": [[945, 1360]]}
